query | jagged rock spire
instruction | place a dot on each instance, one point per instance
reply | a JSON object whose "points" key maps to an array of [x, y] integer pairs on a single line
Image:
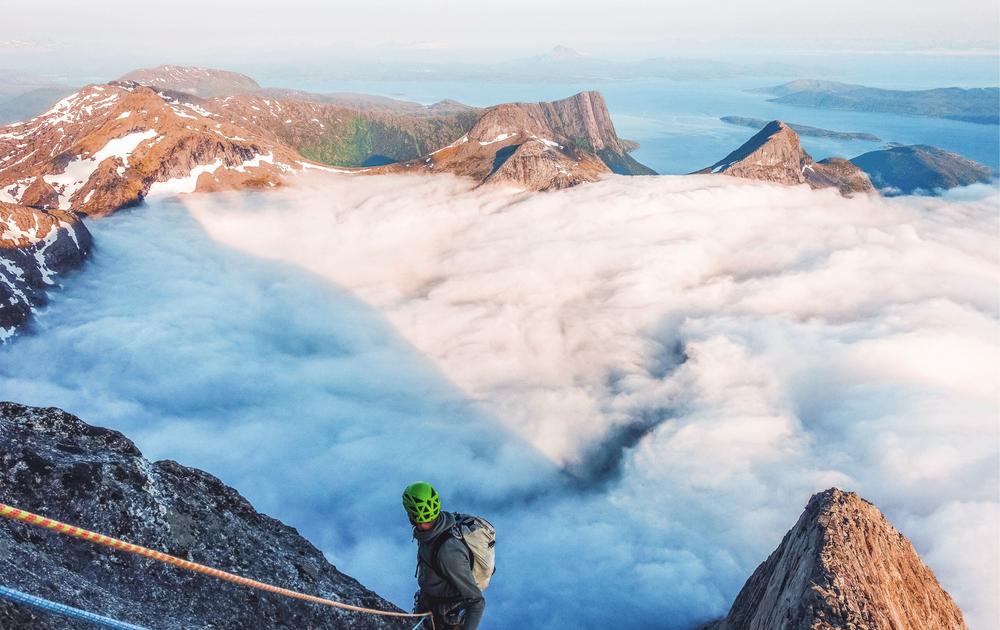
{"points": [[843, 566]]}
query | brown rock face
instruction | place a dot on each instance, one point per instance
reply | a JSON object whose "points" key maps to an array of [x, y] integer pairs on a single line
{"points": [[775, 154], [40, 194], [843, 566]]}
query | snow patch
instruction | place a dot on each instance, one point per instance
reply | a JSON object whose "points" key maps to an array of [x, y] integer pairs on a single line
{"points": [[454, 144], [124, 146], [500, 138], [182, 114], [198, 109], [547, 142], [327, 169], [181, 185]]}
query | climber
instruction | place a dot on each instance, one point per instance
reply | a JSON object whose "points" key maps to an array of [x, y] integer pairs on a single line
{"points": [[454, 560]]}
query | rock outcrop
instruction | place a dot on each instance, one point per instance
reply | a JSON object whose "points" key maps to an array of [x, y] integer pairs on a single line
{"points": [[842, 567], [36, 247], [920, 168], [53, 463], [775, 154]]}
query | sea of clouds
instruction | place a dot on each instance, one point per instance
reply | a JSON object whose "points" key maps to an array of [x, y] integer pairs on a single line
{"points": [[640, 381]]}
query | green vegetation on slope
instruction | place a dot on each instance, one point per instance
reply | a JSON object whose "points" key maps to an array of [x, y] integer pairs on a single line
{"points": [[352, 141]]}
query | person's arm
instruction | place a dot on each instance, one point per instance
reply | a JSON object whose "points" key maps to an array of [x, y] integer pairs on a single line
{"points": [[454, 561]]}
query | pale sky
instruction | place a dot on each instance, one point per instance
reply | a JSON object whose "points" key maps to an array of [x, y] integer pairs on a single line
{"points": [[460, 29]]}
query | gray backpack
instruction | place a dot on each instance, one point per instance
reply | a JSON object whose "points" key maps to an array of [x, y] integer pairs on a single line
{"points": [[479, 537]]}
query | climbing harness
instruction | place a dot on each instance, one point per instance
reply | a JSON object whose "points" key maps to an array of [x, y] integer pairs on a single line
{"points": [[64, 610], [13, 513]]}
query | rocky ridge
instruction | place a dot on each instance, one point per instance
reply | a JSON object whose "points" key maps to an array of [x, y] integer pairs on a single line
{"points": [[53, 463], [843, 566], [36, 247], [775, 154]]}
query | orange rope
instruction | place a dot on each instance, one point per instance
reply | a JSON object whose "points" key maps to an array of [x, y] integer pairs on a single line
{"points": [[69, 530]]}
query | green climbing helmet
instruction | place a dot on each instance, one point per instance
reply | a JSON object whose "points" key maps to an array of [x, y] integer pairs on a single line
{"points": [[422, 502]]}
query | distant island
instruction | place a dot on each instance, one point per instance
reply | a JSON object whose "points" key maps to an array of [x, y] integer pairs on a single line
{"points": [[974, 105], [802, 130]]}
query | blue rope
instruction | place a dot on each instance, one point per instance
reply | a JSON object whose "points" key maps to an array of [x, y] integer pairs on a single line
{"points": [[62, 609]]}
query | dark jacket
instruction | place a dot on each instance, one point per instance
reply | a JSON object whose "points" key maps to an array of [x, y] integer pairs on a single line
{"points": [[448, 578]]}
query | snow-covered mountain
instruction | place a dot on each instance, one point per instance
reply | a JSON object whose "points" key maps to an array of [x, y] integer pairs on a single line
{"points": [[36, 248], [108, 146]]}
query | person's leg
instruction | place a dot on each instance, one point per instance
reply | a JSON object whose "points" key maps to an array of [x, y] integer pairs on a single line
{"points": [[452, 617]]}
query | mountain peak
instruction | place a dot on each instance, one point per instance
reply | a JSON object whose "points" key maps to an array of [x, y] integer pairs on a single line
{"points": [[775, 154], [843, 565]]}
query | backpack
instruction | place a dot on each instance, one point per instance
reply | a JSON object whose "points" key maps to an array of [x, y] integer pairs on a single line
{"points": [[479, 537]]}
